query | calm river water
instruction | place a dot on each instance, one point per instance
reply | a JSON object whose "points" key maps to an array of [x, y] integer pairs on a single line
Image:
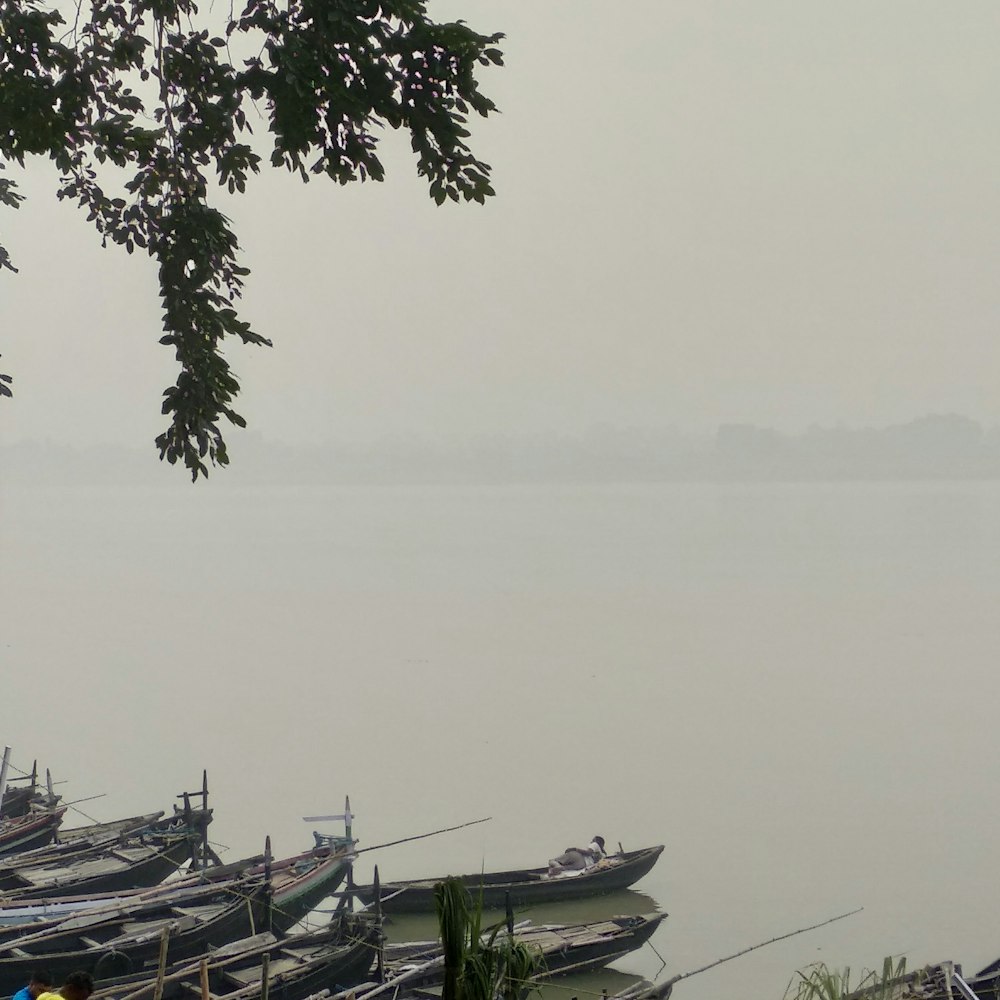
{"points": [[792, 687]]}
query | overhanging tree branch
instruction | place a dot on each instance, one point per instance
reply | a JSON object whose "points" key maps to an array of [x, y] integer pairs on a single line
{"points": [[142, 91]]}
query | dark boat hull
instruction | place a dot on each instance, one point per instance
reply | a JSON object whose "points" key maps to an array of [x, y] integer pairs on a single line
{"points": [[329, 959], [565, 948], [526, 888], [106, 954], [144, 874], [302, 897], [26, 832], [633, 934]]}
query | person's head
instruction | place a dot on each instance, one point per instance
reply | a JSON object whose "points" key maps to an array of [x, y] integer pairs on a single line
{"points": [[40, 982], [600, 843], [78, 986]]}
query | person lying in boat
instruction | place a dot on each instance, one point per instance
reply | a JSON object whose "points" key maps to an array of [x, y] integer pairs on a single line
{"points": [[577, 859]]}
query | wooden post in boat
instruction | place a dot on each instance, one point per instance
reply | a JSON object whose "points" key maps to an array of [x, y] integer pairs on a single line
{"points": [[203, 976], [204, 820], [268, 894], [50, 801], [379, 954], [348, 830], [265, 975], [4, 767], [161, 969]]}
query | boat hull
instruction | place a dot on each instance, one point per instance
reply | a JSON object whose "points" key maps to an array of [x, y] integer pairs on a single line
{"points": [[526, 888]]}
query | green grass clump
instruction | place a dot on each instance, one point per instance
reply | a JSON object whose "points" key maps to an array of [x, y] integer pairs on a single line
{"points": [[495, 968], [819, 982]]}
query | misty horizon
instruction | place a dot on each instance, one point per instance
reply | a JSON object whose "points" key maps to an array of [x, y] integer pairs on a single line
{"points": [[935, 446]]}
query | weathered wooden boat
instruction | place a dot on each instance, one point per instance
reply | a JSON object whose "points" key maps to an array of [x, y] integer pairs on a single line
{"points": [[415, 971], [119, 940], [105, 862], [943, 981], [34, 829], [334, 957], [985, 983], [18, 801], [68, 843], [564, 947], [526, 887], [298, 885]]}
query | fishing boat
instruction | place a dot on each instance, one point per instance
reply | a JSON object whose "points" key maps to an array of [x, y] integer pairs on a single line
{"points": [[415, 971], [68, 843], [333, 957], [298, 884], [107, 858], [33, 829], [564, 948], [525, 887], [118, 940], [19, 801]]}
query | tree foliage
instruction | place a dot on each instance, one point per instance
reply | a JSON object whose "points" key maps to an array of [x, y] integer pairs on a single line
{"points": [[145, 107]]}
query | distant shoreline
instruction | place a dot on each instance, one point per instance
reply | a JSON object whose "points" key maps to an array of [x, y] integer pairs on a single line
{"points": [[932, 449]]}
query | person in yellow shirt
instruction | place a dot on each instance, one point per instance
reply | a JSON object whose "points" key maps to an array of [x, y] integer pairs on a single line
{"points": [[78, 986]]}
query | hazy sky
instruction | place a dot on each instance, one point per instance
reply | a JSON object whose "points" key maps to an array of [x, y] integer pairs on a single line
{"points": [[778, 212]]}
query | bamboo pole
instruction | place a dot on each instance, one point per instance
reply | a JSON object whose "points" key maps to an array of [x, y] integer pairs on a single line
{"points": [[161, 969], [664, 989], [187, 971], [203, 977], [380, 953], [265, 975], [421, 836]]}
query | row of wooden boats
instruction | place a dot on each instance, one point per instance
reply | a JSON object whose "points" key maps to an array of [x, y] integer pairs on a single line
{"points": [[142, 899]]}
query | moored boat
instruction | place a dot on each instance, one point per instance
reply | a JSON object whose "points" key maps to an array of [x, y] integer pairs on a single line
{"points": [[118, 940], [333, 957], [525, 887], [415, 971], [22, 833], [109, 857]]}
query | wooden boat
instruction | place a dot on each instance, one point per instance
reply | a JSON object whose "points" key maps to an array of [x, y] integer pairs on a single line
{"points": [[564, 947], [106, 861], [942, 981], [334, 957], [19, 801], [22, 833], [298, 885], [68, 843], [526, 887], [119, 940], [415, 971]]}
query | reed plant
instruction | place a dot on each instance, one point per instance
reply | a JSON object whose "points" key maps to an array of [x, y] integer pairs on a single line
{"points": [[478, 967], [820, 982]]}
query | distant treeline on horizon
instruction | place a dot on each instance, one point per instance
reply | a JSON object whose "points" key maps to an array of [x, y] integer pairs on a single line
{"points": [[931, 447]]}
